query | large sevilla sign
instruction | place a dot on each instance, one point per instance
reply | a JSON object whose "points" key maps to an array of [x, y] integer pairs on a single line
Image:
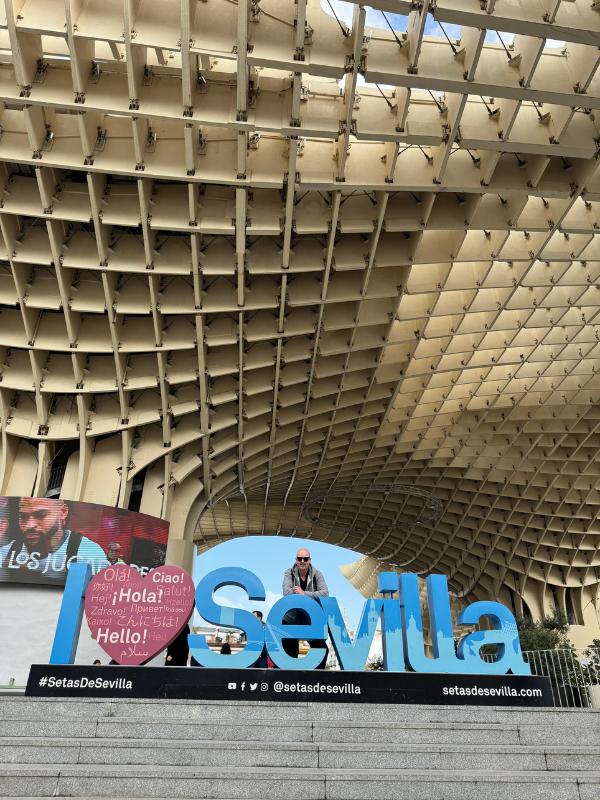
{"points": [[134, 617]]}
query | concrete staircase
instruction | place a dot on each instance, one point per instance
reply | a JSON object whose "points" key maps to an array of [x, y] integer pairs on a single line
{"points": [[295, 751]]}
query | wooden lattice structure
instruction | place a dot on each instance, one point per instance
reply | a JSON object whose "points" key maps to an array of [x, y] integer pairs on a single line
{"points": [[253, 254]]}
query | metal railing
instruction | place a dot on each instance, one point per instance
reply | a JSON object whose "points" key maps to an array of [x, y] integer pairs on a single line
{"points": [[574, 675], [55, 481], [10, 686]]}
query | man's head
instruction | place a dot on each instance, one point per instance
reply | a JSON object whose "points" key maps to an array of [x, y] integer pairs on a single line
{"points": [[42, 523], [258, 614], [303, 561], [114, 552]]}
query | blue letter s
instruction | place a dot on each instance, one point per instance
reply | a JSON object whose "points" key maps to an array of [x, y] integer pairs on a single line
{"points": [[226, 617]]}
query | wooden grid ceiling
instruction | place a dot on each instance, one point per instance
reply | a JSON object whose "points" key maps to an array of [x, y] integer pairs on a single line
{"points": [[256, 254]]}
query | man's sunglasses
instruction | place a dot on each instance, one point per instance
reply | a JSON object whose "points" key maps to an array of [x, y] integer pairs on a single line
{"points": [[302, 558]]}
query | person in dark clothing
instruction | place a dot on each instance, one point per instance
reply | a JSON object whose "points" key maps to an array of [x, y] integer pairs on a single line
{"points": [[179, 650], [263, 661], [304, 579]]}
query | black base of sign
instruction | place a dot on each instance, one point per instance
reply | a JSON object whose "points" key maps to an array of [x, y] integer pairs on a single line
{"points": [[287, 686]]}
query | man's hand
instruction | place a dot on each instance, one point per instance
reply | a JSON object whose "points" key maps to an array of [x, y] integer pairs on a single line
{"points": [[298, 590]]}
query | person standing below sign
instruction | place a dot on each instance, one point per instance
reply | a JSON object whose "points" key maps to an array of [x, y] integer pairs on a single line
{"points": [[44, 547], [263, 661], [303, 578], [178, 651]]}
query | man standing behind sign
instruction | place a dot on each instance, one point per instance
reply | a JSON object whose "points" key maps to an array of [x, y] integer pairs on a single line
{"points": [[304, 579], [45, 547]]}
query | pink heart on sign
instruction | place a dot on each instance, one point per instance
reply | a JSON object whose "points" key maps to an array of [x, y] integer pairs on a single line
{"points": [[133, 617]]}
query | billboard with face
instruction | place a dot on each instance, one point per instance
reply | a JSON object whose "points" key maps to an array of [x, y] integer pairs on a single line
{"points": [[40, 537]]}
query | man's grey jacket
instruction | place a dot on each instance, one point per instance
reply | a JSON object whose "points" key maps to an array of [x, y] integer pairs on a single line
{"points": [[315, 583]]}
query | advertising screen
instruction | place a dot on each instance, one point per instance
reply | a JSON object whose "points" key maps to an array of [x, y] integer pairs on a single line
{"points": [[40, 537]]}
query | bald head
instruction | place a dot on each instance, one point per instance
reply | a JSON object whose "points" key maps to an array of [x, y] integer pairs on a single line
{"points": [[303, 560]]}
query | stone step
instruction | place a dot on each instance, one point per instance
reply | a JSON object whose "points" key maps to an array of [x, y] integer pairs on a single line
{"points": [[277, 731], [174, 753], [309, 784], [262, 731], [226, 711], [440, 732], [216, 753]]}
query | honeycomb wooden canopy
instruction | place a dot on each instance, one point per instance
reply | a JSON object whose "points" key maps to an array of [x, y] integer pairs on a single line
{"points": [[260, 251]]}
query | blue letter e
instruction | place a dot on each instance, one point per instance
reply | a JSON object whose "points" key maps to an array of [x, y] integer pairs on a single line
{"points": [[277, 631]]}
